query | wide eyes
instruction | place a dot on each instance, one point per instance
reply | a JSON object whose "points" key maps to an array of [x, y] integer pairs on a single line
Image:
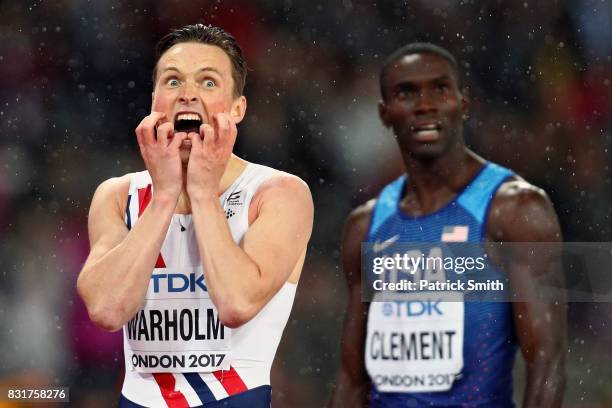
{"points": [[175, 83]]}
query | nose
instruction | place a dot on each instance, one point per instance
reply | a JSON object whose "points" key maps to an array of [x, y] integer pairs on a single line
{"points": [[425, 102], [188, 93]]}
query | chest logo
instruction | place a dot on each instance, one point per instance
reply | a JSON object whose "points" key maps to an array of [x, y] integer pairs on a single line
{"points": [[234, 198], [381, 246], [455, 233]]}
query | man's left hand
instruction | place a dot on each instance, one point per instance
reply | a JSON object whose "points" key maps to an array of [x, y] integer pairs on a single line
{"points": [[210, 153]]}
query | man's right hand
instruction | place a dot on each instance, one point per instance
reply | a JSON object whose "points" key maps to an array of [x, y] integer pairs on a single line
{"points": [[116, 275], [159, 147]]}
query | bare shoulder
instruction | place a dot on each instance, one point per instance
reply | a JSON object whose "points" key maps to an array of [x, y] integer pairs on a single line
{"points": [[116, 184], [358, 221], [522, 212], [356, 227], [518, 191], [113, 191], [283, 193], [105, 221], [284, 188], [283, 183], [516, 197], [355, 232]]}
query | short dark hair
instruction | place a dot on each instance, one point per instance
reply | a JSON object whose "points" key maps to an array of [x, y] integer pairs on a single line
{"points": [[418, 48], [206, 34]]}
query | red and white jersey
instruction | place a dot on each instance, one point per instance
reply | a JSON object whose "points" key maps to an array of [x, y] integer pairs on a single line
{"points": [[177, 353]]}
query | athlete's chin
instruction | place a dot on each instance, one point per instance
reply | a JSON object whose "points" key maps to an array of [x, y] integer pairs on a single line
{"points": [[427, 152], [424, 151], [425, 148]]}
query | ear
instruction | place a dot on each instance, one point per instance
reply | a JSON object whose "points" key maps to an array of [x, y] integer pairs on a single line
{"points": [[238, 109], [383, 113]]}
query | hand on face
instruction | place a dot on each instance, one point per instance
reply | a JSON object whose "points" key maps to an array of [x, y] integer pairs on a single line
{"points": [[159, 147], [211, 150]]}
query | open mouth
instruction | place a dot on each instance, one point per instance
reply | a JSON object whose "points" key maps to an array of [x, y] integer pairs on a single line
{"points": [[187, 122], [429, 132]]}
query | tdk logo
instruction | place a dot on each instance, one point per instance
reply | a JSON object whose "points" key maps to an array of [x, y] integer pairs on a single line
{"points": [[177, 282], [413, 308]]}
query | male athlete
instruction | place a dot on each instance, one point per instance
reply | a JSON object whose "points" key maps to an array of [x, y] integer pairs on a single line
{"points": [[198, 257], [448, 194]]}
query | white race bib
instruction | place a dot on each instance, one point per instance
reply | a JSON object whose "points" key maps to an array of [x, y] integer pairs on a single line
{"points": [[177, 328], [415, 344]]}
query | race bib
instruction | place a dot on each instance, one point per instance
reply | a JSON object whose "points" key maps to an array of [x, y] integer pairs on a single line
{"points": [[177, 328], [415, 344]]}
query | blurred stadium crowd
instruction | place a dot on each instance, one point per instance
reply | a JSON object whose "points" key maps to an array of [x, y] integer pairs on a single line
{"points": [[75, 80]]}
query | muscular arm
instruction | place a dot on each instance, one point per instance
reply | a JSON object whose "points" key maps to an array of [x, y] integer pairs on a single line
{"points": [[523, 213], [242, 278], [115, 277], [351, 388]]}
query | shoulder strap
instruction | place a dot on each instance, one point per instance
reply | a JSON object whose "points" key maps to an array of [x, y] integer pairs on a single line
{"points": [[386, 204], [139, 196], [477, 197]]}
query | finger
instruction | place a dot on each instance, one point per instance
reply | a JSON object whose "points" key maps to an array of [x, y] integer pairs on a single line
{"points": [[228, 131], [161, 117], [196, 142], [224, 126], [139, 137], [164, 133], [158, 119], [199, 140], [217, 124], [207, 132], [140, 134], [146, 129], [181, 136], [233, 130], [177, 140], [154, 119]]}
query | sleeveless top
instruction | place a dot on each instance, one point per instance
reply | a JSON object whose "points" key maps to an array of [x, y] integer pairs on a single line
{"points": [[177, 352], [423, 351]]}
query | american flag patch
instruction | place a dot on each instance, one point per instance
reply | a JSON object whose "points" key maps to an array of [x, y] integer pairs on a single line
{"points": [[455, 233]]}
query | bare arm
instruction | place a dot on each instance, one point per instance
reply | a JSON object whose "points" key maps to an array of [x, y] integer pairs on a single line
{"points": [[242, 278], [352, 385], [115, 277], [523, 213]]}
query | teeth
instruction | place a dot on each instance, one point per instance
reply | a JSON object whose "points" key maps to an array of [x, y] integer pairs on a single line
{"points": [[427, 127], [188, 116]]}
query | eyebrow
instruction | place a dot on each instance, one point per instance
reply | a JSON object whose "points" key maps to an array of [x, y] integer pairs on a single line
{"points": [[203, 69], [441, 78]]}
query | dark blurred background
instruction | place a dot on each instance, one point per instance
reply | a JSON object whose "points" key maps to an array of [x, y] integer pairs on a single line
{"points": [[75, 80]]}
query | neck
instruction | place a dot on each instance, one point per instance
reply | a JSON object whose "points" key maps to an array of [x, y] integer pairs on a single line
{"points": [[234, 168], [433, 182]]}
